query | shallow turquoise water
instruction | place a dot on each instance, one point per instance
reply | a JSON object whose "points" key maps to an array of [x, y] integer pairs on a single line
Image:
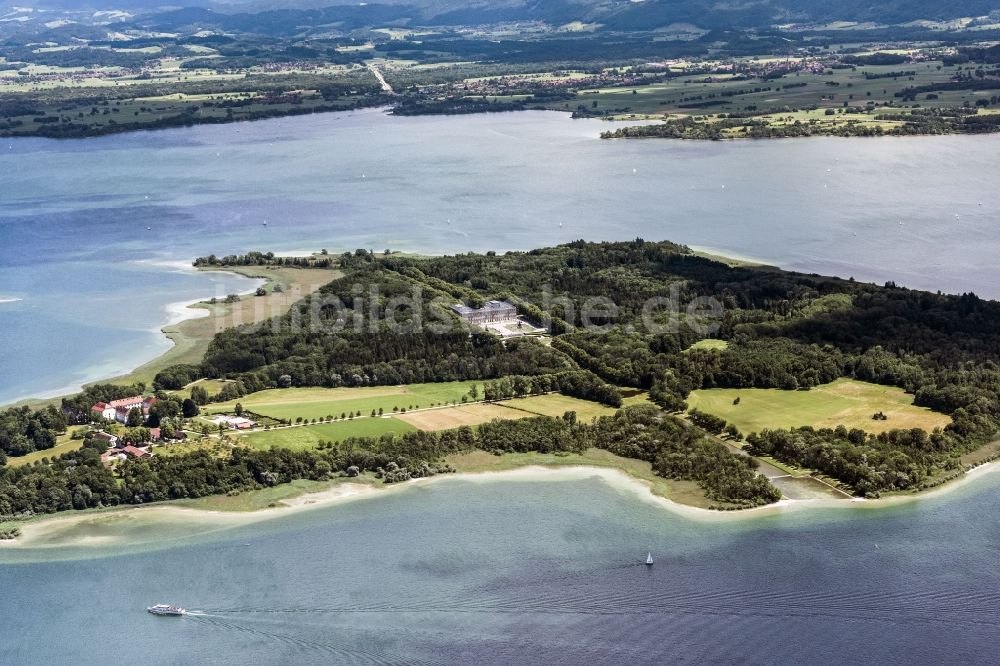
{"points": [[507, 572], [94, 281]]}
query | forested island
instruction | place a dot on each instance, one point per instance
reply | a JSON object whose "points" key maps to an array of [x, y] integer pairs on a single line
{"points": [[772, 329]]}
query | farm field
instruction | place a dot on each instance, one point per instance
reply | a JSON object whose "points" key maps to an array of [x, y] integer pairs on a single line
{"points": [[307, 437], [555, 404], [688, 95], [845, 402], [316, 403], [461, 415]]}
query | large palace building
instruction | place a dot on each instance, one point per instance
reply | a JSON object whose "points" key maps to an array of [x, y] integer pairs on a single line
{"points": [[491, 312]]}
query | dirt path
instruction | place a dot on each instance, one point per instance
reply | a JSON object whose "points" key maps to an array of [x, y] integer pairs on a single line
{"points": [[381, 79]]}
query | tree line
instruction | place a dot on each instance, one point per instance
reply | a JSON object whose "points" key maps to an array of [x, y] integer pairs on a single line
{"points": [[78, 480]]}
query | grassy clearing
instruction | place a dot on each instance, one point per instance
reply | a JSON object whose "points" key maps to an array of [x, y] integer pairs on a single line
{"points": [[845, 402], [555, 404], [683, 492], [633, 397], [307, 437], [315, 403], [212, 386], [462, 415], [709, 344], [64, 444]]}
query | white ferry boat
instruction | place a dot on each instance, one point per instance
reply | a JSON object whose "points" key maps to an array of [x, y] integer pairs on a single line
{"points": [[166, 609]]}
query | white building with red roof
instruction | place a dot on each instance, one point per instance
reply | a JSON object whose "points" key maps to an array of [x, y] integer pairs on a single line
{"points": [[118, 410], [104, 410]]}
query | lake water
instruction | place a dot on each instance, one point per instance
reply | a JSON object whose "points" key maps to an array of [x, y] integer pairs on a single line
{"points": [[93, 284], [512, 572], [483, 572]]}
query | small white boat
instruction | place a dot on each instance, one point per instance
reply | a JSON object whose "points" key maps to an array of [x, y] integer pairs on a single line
{"points": [[166, 609], [649, 559]]}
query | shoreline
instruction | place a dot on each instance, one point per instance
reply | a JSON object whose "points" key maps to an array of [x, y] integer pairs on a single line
{"points": [[180, 315], [381, 106], [56, 531]]}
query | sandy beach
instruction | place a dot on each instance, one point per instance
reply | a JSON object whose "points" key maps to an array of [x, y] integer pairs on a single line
{"points": [[117, 526]]}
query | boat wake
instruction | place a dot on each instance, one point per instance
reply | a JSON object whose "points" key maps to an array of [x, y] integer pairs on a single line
{"points": [[575, 594], [341, 654]]}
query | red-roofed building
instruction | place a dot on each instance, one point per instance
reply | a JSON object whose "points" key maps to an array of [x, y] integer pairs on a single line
{"points": [[127, 403], [106, 437], [136, 451], [104, 410]]}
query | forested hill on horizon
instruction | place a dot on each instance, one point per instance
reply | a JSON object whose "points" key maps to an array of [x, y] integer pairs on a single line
{"points": [[618, 15]]}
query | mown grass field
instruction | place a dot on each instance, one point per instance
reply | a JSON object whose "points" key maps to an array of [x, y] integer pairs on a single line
{"points": [[461, 415], [555, 404], [308, 437], [316, 403], [845, 402]]}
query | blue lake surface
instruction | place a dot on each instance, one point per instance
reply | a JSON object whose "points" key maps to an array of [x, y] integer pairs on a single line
{"points": [[94, 285], [513, 572]]}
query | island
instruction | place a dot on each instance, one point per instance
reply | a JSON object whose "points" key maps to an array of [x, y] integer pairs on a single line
{"points": [[724, 385]]}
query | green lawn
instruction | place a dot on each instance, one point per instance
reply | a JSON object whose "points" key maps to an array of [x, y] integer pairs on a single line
{"points": [[306, 437], [842, 402], [310, 403]]}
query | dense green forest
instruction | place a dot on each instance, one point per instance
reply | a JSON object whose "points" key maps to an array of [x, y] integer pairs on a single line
{"points": [[785, 330], [23, 430]]}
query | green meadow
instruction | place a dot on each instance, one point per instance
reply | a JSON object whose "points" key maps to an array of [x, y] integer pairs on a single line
{"points": [[308, 437], [556, 404], [845, 402], [318, 403]]}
